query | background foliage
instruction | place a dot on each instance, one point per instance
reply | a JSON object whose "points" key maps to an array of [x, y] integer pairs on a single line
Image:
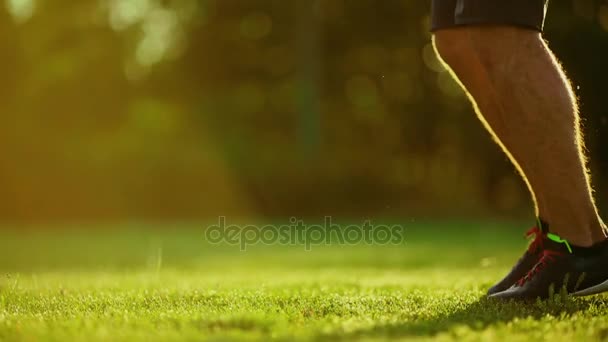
{"points": [[117, 109]]}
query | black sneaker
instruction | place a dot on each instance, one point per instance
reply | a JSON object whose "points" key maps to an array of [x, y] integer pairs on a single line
{"points": [[526, 262], [559, 271]]}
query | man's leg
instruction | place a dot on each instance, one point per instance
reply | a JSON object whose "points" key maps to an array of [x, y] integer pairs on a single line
{"points": [[521, 94]]}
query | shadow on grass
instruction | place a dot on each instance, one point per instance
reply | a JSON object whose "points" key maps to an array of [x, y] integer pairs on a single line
{"points": [[479, 315]]}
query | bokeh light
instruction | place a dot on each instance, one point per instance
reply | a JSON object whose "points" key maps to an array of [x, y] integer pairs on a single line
{"points": [[131, 108]]}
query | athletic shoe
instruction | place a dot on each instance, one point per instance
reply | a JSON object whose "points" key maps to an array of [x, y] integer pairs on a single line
{"points": [[561, 272], [526, 262]]}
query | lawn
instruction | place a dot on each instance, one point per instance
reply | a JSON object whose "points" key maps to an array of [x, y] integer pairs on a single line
{"points": [[164, 282]]}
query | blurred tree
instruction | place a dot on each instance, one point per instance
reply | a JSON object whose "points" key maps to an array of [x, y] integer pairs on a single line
{"points": [[195, 108]]}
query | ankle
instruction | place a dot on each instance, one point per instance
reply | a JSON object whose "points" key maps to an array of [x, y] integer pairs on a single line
{"points": [[596, 230], [580, 234], [586, 238], [579, 240]]}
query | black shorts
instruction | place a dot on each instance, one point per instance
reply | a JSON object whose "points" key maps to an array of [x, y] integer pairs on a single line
{"points": [[524, 13]]}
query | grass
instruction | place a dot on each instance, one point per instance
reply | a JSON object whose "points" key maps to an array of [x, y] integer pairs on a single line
{"points": [[142, 282]]}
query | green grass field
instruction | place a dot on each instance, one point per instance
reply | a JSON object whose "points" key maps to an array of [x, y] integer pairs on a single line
{"points": [[146, 282]]}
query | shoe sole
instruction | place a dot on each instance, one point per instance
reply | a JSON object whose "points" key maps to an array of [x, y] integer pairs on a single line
{"points": [[603, 287]]}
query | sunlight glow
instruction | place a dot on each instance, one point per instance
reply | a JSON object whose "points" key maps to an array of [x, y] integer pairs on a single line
{"points": [[124, 13], [21, 10], [159, 29]]}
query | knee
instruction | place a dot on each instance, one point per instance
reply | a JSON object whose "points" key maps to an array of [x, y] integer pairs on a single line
{"points": [[468, 47], [454, 47]]}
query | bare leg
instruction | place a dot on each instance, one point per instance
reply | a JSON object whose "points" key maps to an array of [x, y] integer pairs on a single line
{"points": [[521, 94]]}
